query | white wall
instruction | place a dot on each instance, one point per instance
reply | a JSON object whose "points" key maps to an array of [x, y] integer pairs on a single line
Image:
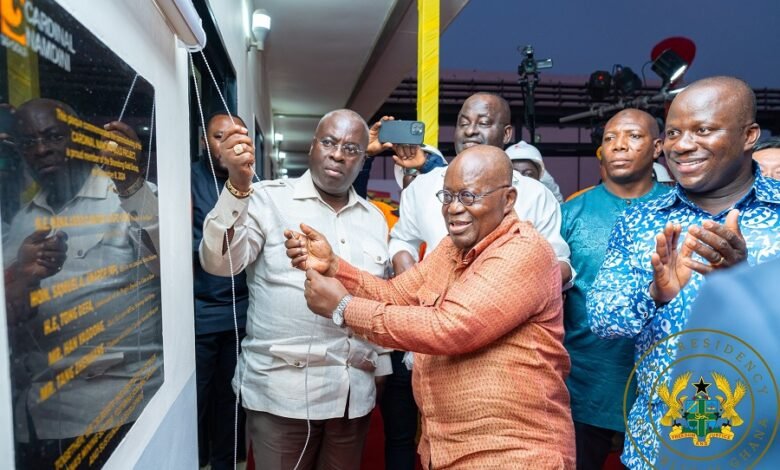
{"points": [[6, 417]]}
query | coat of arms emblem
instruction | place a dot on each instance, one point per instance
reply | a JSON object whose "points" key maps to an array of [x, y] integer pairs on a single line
{"points": [[701, 418]]}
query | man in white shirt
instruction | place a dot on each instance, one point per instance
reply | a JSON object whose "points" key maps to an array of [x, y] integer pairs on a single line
{"points": [[483, 119], [296, 366]]}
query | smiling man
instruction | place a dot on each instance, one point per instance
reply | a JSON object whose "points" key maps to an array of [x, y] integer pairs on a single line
{"points": [[296, 370], [729, 213], [482, 312], [599, 367], [484, 119]]}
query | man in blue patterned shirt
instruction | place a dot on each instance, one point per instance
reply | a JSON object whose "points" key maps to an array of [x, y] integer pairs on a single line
{"points": [[728, 213]]}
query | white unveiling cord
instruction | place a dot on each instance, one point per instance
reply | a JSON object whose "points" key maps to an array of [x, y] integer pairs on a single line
{"points": [[127, 98], [230, 264], [280, 217]]}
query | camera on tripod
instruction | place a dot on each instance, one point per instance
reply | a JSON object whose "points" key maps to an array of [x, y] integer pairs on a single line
{"points": [[529, 65], [529, 78]]}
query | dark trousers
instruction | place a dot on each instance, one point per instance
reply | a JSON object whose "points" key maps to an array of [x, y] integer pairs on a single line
{"points": [[593, 445], [334, 444], [399, 413], [215, 363]]}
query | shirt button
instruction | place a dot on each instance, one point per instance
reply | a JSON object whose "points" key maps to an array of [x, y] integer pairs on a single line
{"points": [[297, 364], [628, 203], [80, 252], [378, 259], [235, 213], [343, 241]]}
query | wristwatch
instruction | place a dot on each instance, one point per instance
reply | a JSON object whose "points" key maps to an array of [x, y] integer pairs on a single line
{"points": [[338, 313], [411, 171]]}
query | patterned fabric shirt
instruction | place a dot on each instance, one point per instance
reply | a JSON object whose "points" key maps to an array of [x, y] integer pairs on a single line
{"points": [[754, 359], [599, 367], [620, 306], [487, 327]]}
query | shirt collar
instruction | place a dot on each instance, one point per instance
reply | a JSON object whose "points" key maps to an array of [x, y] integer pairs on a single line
{"points": [[655, 191], [96, 186], [305, 189], [507, 225], [764, 189]]}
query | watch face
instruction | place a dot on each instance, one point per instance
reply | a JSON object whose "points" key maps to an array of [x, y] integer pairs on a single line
{"points": [[338, 318]]}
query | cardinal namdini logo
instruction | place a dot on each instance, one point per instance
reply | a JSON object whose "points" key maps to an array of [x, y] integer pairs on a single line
{"points": [[702, 417]]}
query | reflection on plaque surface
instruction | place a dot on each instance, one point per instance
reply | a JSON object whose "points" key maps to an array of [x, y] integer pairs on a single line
{"points": [[78, 204]]}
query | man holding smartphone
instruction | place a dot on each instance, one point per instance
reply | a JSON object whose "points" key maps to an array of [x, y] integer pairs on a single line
{"points": [[484, 119]]}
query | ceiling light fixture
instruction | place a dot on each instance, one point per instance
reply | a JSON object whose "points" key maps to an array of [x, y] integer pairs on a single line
{"points": [[261, 25]]}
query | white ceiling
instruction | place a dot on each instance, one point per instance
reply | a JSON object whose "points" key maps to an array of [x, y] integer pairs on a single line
{"points": [[317, 49], [322, 55]]}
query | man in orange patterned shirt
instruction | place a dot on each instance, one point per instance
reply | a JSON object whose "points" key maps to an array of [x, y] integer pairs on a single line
{"points": [[483, 312]]}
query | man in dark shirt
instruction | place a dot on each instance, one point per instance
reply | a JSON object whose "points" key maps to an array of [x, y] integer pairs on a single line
{"points": [[215, 319]]}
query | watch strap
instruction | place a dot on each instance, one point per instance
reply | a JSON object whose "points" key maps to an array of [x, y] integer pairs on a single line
{"points": [[338, 313]]}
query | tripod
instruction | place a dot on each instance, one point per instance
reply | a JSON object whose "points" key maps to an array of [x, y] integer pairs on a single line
{"points": [[529, 78]]}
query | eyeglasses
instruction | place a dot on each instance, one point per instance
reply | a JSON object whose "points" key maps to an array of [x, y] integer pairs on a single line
{"points": [[352, 150], [53, 139], [467, 198]]}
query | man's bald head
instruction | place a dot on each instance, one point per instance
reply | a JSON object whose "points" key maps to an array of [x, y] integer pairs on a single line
{"points": [[504, 115], [483, 163], [643, 118], [482, 173], [735, 90], [484, 119], [43, 139], [337, 152], [346, 115], [629, 147]]}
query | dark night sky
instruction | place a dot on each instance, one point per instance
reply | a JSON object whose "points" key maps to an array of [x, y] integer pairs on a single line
{"points": [[733, 37]]}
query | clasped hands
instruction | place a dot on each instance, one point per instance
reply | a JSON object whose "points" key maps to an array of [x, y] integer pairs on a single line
{"points": [[310, 251], [720, 246]]}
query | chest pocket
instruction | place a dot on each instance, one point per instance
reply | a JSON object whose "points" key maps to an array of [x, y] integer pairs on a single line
{"points": [[375, 259], [111, 241]]}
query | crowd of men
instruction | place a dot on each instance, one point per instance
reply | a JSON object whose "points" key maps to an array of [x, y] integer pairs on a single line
{"points": [[532, 324]]}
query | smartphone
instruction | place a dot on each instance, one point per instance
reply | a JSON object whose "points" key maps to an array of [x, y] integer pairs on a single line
{"points": [[402, 132]]}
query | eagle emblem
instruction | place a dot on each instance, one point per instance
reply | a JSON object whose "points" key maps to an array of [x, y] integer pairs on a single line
{"points": [[701, 418]]}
